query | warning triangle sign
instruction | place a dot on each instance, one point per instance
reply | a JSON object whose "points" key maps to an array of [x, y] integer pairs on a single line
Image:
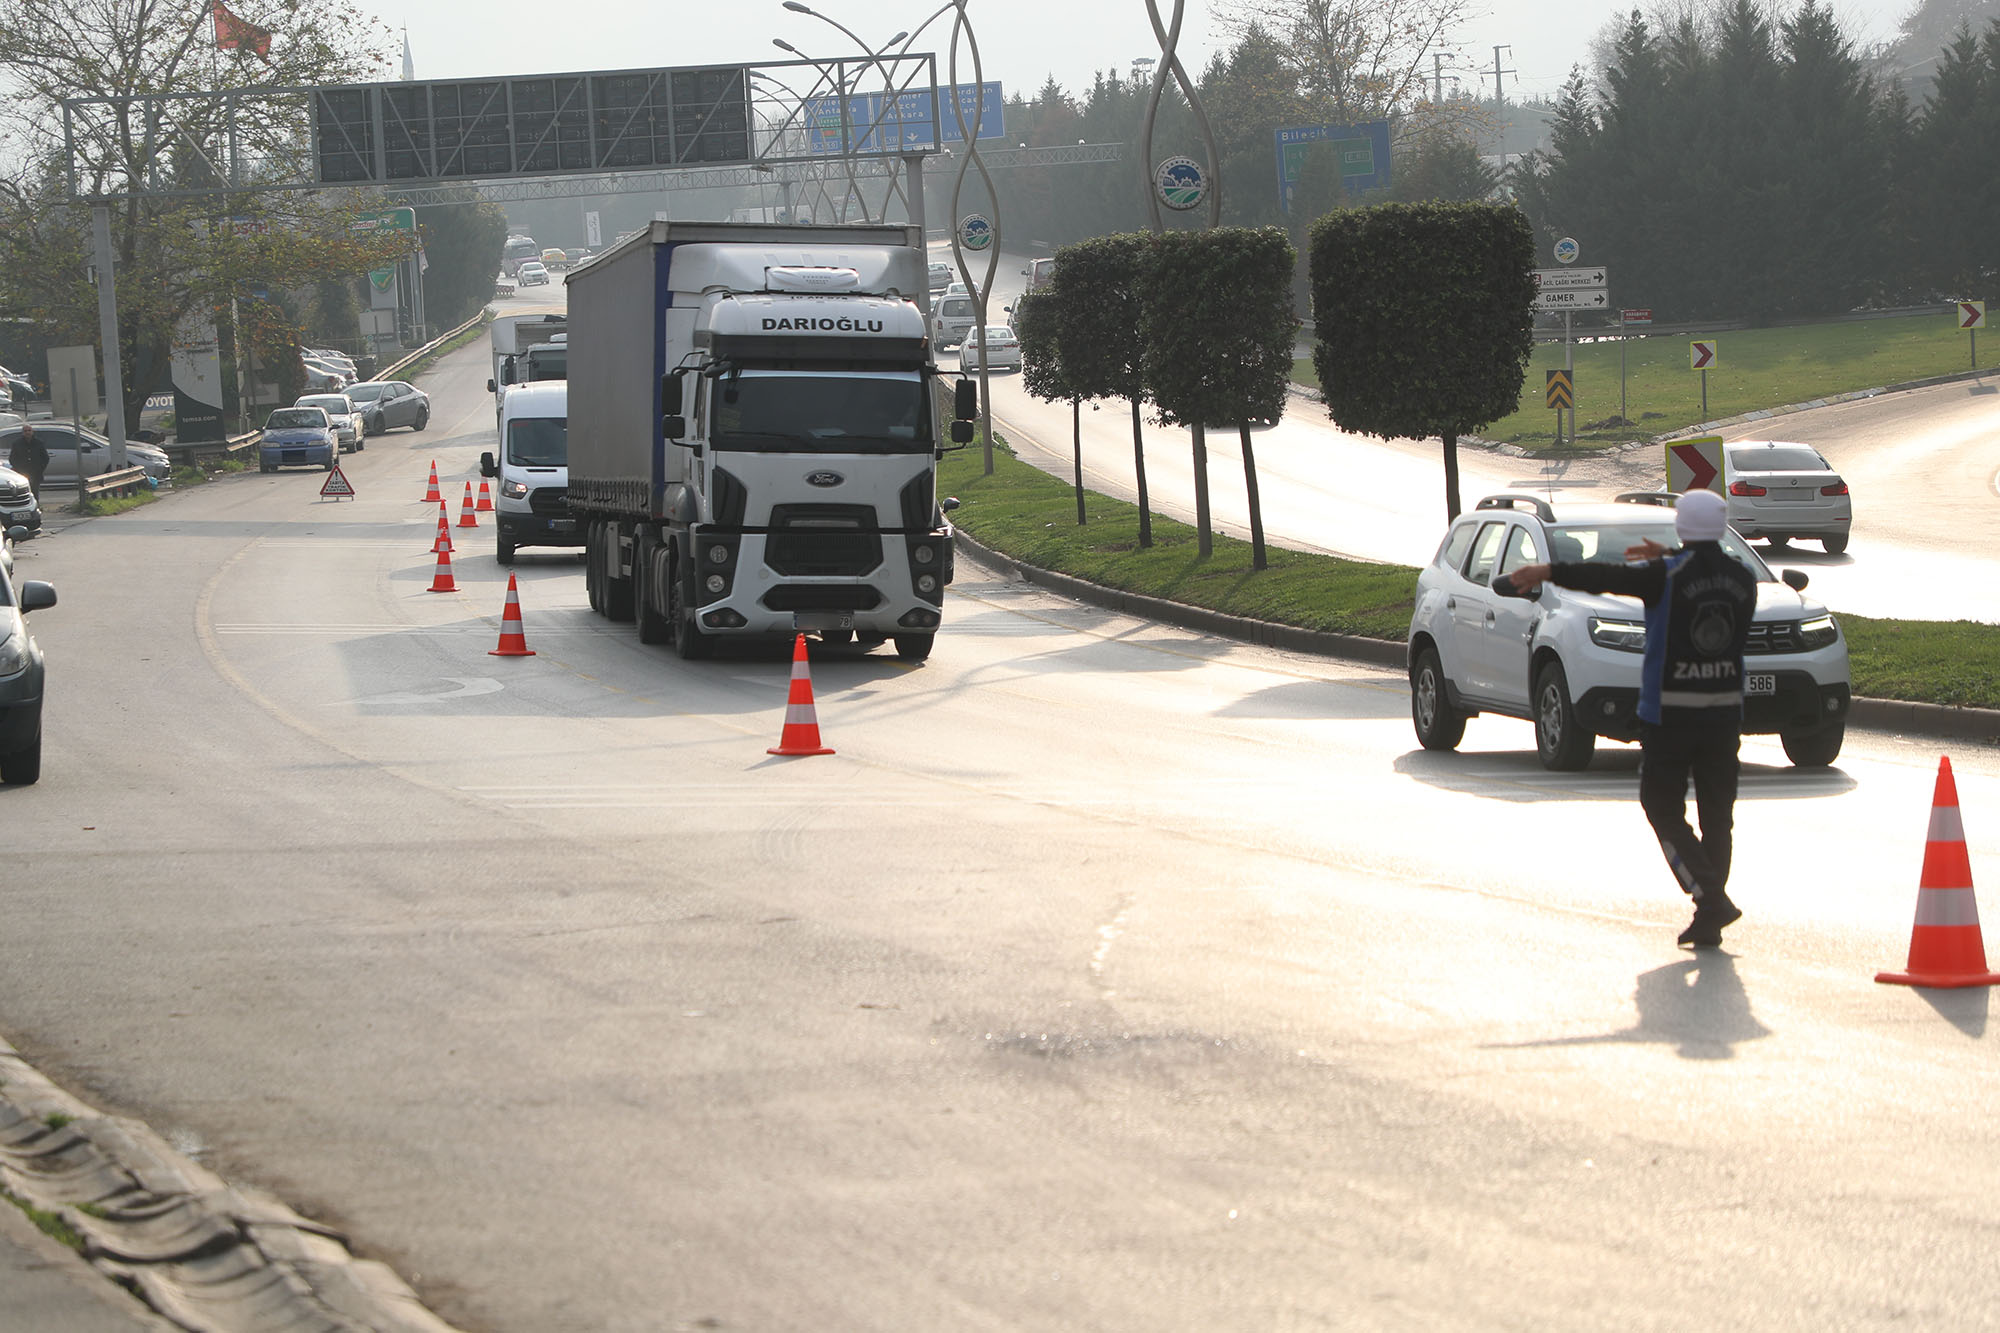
{"points": [[337, 485]]}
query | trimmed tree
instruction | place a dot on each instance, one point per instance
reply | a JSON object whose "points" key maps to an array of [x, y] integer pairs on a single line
{"points": [[1038, 323], [1425, 318], [1103, 351], [1218, 337]]}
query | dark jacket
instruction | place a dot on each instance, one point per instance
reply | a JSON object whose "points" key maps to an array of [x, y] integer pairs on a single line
{"points": [[1699, 605], [29, 455]]}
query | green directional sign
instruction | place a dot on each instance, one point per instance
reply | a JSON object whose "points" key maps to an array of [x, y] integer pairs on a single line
{"points": [[402, 220]]}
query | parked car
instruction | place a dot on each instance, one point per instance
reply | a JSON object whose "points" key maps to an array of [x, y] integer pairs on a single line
{"points": [[1569, 661], [21, 671], [297, 437], [532, 274], [341, 413], [322, 376], [338, 359], [387, 403], [17, 386], [18, 506], [995, 347], [74, 453], [1779, 491], [940, 276]]}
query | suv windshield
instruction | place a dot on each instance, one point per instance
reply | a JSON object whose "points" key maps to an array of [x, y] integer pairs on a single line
{"points": [[806, 412], [538, 442], [1608, 541]]}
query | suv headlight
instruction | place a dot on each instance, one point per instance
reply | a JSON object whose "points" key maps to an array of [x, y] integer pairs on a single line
{"points": [[1818, 632], [1627, 636]]}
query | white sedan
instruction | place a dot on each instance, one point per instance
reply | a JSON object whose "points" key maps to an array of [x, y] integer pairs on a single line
{"points": [[344, 416], [995, 347]]}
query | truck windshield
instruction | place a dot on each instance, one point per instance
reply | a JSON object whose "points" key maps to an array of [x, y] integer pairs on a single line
{"points": [[548, 363], [830, 412], [538, 442]]}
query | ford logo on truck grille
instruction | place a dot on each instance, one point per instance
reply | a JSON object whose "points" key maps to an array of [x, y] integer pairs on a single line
{"points": [[824, 479]]}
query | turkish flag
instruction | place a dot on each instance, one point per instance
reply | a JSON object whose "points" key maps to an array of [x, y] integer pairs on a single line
{"points": [[233, 34]]}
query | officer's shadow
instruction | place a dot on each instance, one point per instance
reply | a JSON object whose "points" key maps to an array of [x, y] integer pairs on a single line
{"points": [[1697, 1003]]}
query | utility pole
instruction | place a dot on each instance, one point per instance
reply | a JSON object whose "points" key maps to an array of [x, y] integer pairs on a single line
{"points": [[1499, 95], [1437, 80]]}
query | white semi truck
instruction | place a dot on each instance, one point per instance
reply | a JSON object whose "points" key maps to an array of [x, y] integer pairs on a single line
{"points": [[755, 424]]}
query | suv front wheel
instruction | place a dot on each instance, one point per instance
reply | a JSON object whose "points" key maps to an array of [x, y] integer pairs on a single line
{"points": [[1561, 739], [1439, 726], [1814, 749]]}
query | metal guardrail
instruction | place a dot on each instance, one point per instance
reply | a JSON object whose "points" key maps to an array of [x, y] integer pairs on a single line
{"points": [[125, 481], [209, 451]]}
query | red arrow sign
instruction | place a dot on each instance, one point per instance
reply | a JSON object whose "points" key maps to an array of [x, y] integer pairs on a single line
{"points": [[1700, 471], [1703, 354], [1971, 314]]}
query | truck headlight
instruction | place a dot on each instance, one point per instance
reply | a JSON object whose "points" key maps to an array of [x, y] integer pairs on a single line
{"points": [[1627, 636], [926, 583], [923, 555], [1818, 632], [718, 554]]}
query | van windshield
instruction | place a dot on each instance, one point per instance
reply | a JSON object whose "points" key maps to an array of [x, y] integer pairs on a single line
{"points": [[825, 412], [538, 442]]}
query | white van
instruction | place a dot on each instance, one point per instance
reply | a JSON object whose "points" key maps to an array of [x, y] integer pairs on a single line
{"points": [[532, 508], [953, 319]]}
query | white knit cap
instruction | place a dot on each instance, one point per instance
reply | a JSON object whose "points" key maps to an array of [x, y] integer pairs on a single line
{"points": [[1700, 516]]}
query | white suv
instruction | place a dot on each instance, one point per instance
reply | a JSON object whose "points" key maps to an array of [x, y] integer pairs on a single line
{"points": [[1569, 661]]}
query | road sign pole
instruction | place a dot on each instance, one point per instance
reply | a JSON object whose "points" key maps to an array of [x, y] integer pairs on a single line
{"points": [[1569, 364], [1621, 365], [1974, 335], [1704, 393]]}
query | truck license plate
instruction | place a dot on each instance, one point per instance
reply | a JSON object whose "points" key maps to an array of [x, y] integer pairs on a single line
{"points": [[1760, 683], [822, 620]]}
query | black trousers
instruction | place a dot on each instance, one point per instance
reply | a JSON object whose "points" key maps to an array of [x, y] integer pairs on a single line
{"points": [[1670, 754]]}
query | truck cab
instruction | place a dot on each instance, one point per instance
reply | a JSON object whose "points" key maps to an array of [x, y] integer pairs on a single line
{"points": [[532, 467]]}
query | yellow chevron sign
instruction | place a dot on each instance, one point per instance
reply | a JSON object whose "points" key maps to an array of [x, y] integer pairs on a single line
{"points": [[1561, 392]]}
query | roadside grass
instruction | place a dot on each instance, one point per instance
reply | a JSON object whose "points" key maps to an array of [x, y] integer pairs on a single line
{"points": [[1755, 369], [471, 335], [48, 1223], [1029, 515], [99, 505]]}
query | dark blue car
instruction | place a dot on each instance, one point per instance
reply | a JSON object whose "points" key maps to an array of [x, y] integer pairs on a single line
{"points": [[298, 437]]}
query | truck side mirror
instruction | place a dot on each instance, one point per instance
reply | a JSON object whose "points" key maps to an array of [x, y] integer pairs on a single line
{"points": [[673, 425], [965, 401], [491, 387], [961, 432], [670, 397], [487, 467]]}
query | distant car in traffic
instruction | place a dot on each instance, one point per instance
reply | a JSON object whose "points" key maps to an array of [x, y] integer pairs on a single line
{"points": [[554, 259], [384, 404], [532, 274], [297, 437], [952, 320], [1779, 491], [74, 452], [994, 347], [1040, 273], [342, 414], [21, 671], [940, 277], [1570, 661]]}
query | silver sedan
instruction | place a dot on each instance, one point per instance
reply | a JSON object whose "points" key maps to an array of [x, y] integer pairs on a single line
{"points": [[1779, 491]]}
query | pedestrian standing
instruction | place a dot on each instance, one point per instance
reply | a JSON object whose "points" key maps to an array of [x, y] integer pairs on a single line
{"points": [[1699, 603], [30, 458]]}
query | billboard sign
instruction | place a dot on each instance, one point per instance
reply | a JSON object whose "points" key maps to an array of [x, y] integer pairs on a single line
{"points": [[1363, 155], [911, 120]]}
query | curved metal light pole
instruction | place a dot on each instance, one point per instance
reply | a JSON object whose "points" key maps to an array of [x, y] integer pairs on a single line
{"points": [[874, 55], [1170, 63], [817, 176], [838, 82]]}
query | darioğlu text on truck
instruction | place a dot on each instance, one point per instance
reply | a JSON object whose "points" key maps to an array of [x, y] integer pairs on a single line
{"points": [[753, 435]]}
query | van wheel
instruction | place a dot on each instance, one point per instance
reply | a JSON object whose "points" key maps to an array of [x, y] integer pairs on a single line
{"points": [[1563, 742], [1439, 726], [503, 550], [914, 647]]}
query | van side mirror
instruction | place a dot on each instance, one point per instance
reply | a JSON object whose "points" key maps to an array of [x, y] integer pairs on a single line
{"points": [[491, 387], [1795, 579], [965, 400], [487, 467]]}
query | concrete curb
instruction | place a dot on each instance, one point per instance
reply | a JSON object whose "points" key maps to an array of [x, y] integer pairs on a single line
{"points": [[1893, 716]]}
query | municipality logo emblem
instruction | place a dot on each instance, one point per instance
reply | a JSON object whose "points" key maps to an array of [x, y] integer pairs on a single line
{"points": [[1180, 183]]}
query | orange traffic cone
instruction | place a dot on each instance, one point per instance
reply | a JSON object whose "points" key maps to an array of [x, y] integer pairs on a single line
{"points": [[443, 542], [513, 643], [442, 580], [485, 505], [801, 734], [432, 493], [1945, 946], [466, 518]]}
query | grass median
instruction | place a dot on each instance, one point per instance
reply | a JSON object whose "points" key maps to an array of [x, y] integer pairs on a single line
{"points": [[1023, 512], [1755, 369]]}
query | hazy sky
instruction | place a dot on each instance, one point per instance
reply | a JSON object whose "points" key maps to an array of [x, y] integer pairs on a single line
{"points": [[1021, 42]]}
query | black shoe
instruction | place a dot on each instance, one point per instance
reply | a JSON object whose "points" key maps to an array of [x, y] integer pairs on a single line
{"points": [[1711, 914]]}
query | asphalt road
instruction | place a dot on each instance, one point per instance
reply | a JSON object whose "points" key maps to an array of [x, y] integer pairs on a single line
{"points": [[1108, 977]]}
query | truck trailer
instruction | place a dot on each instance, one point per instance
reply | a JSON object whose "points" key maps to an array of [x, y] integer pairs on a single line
{"points": [[527, 349], [754, 431]]}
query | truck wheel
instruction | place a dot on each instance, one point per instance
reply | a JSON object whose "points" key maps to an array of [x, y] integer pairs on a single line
{"points": [[1561, 739], [914, 647], [653, 627], [1814, 749], [503, 550], [689, 642], [1439, 725]]}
